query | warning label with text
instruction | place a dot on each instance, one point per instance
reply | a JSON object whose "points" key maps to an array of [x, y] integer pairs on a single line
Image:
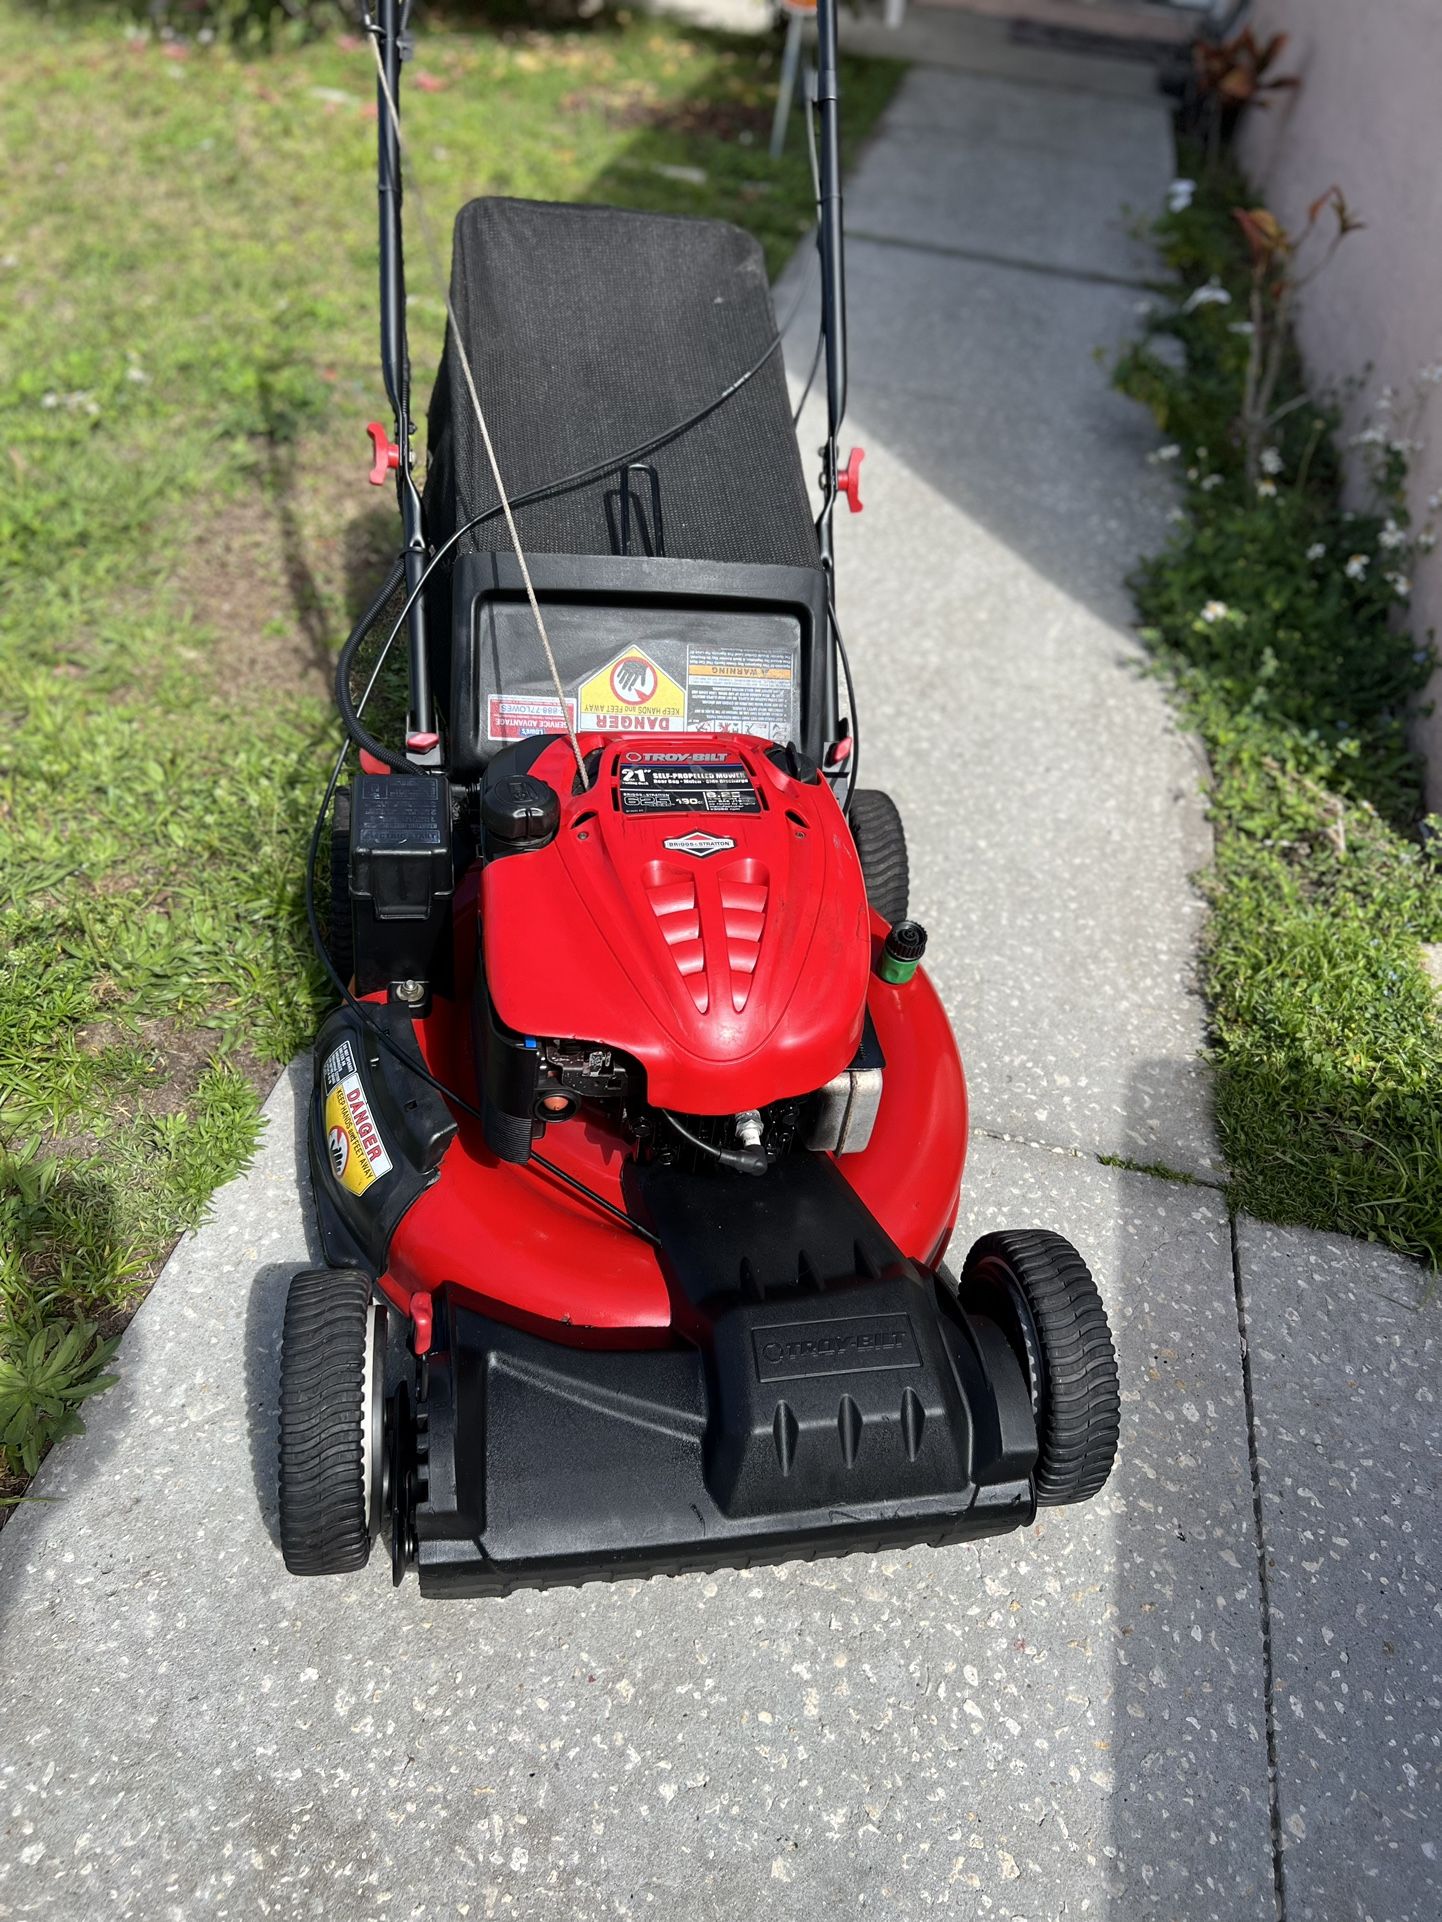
{"points": [[742, 691]]}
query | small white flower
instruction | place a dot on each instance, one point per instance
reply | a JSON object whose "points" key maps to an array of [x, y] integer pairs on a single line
{"points": [[1271, 460], [1369, 437], [1400, 585], [1180, 195], [1215, 611], [1210, 482], [1170, 452], [50, 400], [1243, 327], [137, 374], [1426, 542], [1434, 502], [1212, 294], [1431, 376], [1317, 551], [1176, 514], [1391, 536], [1267, 489], [1192, 472], [1356, 568]]}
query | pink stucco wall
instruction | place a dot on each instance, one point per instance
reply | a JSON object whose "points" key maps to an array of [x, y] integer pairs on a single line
{"points": [[1367, 116]]}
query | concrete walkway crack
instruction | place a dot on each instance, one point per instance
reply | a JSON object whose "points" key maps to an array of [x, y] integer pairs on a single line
{"points": [[1177, 1178], [1279, 1880], [983, 256]]}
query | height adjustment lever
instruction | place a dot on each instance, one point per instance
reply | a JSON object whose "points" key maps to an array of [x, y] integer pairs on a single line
{"points": [[848, 478], [386, 455]]}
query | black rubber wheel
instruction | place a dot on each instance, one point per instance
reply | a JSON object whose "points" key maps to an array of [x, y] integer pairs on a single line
{"points": [[881, 842], [340, 930], [329, 1422], [1040, 1289]]}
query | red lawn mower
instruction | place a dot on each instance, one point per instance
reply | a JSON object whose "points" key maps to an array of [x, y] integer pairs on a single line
{"points": [[637, 1137]]}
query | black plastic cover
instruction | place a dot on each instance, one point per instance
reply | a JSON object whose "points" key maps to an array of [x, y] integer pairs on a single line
{"points": [[401, 877], [833, 1397]]}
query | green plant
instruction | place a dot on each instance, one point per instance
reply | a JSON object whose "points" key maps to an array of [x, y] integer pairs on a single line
{"points": [[45, 1374], [1278, 614]]}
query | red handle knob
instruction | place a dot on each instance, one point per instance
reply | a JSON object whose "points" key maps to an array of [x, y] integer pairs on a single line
{"points": [[848, 478], [387, 456]]}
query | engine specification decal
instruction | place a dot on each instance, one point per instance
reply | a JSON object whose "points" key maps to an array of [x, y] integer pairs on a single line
{"points": [[633, 694], [358, 1156], [698, 784], [742, 691]]}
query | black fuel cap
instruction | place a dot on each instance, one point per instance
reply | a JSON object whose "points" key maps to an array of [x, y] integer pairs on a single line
{"points": [[520, 809]]}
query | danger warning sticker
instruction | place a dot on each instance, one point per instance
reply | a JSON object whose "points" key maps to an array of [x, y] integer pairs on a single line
{"points": [[632, 694], [515, 717], [671, 785], [358, 1156]]}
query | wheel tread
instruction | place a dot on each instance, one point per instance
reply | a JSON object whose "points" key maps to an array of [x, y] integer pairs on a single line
{"points": [[324, 1525], [1079, 1421], [880, 839]]}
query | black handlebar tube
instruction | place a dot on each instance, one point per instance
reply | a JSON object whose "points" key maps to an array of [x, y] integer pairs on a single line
{"points": [[833, 266], [390, 26]]}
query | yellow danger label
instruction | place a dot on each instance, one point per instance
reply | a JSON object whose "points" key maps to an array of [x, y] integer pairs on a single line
{"points": [[358, 1156], [632, 695]]}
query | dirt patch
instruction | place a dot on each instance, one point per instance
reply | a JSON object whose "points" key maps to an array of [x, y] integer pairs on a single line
{"points": [[703, 119], [277, 573], [179, 1057]]}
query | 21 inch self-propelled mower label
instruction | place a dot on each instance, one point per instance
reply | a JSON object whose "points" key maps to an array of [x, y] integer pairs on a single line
{"points": [[702, 785], [358, 1156]]}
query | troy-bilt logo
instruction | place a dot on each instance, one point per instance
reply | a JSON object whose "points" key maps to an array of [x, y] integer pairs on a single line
{"points": [[844, 1347], [698, 844]]}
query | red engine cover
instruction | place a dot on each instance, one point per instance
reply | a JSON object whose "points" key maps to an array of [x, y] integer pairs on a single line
{"points": [[700, 909]]}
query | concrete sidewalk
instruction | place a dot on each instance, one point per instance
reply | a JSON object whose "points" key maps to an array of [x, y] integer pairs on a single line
{"points": [[1211, 1695]]}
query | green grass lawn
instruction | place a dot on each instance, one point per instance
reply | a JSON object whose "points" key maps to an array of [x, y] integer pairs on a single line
{"points": [[187, 357]]}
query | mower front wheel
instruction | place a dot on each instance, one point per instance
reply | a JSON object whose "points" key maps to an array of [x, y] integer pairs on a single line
{"points": [[332, 1364], [881, 846], [1038, 1288]]}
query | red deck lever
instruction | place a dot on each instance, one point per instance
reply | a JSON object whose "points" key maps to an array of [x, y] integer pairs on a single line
{"points": [[387, 454], [848, 478], [422, 1321]]}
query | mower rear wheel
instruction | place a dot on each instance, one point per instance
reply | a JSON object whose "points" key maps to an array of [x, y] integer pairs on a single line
{"points": [[1041, 1291], [881, 843], [331, 1362]]}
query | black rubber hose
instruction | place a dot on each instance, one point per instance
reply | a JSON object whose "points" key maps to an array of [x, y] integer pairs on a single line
{"points": [[349, 713]]}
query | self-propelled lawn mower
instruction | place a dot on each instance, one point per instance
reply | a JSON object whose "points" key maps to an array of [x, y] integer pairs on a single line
{"points": [[637, 1138]]}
